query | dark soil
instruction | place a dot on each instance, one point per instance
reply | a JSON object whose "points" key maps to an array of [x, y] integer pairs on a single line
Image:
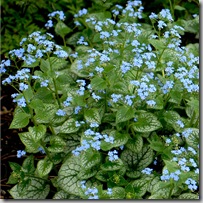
{"points": [[10, 141]]}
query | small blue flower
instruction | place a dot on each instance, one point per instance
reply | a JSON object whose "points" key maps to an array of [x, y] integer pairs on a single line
{"points": [[61, 54], [180, 123], [77, 109], [147, 171], [41, 150], [109, 191], [113, 155], [161, 24], [151, 102], [168, 141], [115, 97], [61, 112], [20, 153], [23, 86], [96, 97], [49, 24]]}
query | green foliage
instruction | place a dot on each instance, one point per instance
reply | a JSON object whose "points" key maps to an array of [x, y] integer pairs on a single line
{"points": [[114, 111]]}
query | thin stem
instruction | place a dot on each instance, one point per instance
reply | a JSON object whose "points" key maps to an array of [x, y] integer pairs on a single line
{"points": [[55, 87], [171, 8]]}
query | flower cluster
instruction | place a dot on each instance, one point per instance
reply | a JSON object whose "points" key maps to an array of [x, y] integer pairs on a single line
{"points": [[93, 140], [21, 153]]}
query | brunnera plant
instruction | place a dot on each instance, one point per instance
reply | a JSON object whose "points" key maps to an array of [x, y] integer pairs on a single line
{"points": [[117, 117]]}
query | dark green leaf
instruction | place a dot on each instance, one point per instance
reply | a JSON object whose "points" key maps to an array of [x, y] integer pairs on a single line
{"points": [[57, 144], [98, 83], [62, 29], [92, 115], [67, 176], [44, 167], [124, 113], [69, 126], [112, 166], [37, 189], [20, 120], [146, 122], [90, 158]]}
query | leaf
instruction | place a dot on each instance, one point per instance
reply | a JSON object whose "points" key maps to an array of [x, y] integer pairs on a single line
{"points": [[158, 44], [61, 195], [154, 181], [57, 144], [146, 122], [90, 158], [179, 8], [13, 178], [28, 165], [92, 115], [31, 139], [45, 114], [69, 126], [112, 166], [193, 138], [86, 173], [119, 140], [67, 176], [37, 189], [171, 117], [15, 166], [135, 144], [72, 141], [44, 167], [118, 193], [188, 196], [102, 176], [20, 120], [62, 29], [124, 114], [45, 95], [140, 187], [137, 161], [98, 83], [162, 189]]}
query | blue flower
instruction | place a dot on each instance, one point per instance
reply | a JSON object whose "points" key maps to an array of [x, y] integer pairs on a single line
{"points": [[94, 125], [168, 141], [115, 97], [113, 155], [165, 13], [191, 184], [81, 41], [21, 102], [89, 132], [77, 109], [44, 83], [49, 24], [99, 70], [41, 150], [180, 123], [192, 150], [60, 14], [20, 153], [23, 86], [61, 54], [109, 191], [151, 102], [96, 97], [147, 171], [153, 16], [161, 24], [61, 112], [186, 133]]}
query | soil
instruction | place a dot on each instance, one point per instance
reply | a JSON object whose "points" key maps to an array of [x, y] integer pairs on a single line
{"points": [[10, 141]]}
